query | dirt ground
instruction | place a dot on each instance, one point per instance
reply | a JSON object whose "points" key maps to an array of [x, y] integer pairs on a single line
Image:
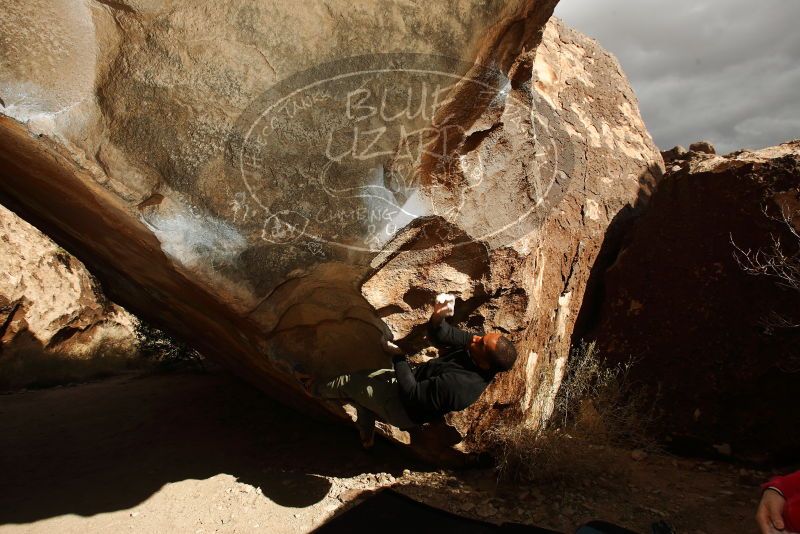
{"points": [[203, 452]]}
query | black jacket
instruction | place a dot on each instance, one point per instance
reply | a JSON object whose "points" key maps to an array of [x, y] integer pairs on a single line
{"points": [[445, 384]]}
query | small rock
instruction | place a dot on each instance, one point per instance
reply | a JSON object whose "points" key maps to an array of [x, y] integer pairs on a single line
{"points": [[331, 507], [134, 514], [349, 495], [638, 455], [724, 449], [676, 152], [406, 472], [654, 511], [702, 146], [486, 510]]}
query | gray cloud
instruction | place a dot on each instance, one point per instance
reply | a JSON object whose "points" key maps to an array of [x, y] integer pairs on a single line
{"points": [[723, 70]]}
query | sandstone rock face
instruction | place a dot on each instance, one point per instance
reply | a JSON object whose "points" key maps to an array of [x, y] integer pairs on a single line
{"points": [[283, 183], [530, 288], [704, 333], [55, 323]]}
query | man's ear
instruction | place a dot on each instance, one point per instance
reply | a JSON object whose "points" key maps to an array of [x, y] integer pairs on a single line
{"points": [[483, 362]]}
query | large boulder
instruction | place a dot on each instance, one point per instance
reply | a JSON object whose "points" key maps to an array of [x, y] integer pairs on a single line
{"points": [[704, 147], [288, 183], [711, 337], [530, 286], [55, 323]]}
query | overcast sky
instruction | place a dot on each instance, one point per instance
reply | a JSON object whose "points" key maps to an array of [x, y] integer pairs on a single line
{"points": [[723, 70]]}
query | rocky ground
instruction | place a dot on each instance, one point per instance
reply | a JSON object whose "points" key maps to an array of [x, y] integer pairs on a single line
{"points": [[198, 452]]}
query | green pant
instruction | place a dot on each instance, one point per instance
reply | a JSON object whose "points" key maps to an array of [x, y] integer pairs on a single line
{"points": [[374, 394]]}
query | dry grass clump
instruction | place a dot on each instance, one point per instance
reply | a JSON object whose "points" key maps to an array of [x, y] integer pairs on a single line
{"points": [[32, 367], [160, 348], [596, 419]]}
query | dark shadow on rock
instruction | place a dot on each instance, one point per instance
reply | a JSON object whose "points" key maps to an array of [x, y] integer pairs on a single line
{"points": [[28, 364], [613, 242], [111, 444], [668, 293]]}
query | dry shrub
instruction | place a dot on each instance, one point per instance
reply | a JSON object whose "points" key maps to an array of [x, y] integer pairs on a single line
{"points": [[780, 261], [167, 352], [596, 418]]}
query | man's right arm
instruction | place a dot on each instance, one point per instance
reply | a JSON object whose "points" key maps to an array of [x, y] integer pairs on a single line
{"points": [[442, 332]]}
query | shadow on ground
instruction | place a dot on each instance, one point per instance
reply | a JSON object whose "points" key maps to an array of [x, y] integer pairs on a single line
{"points": [[111, 444]]}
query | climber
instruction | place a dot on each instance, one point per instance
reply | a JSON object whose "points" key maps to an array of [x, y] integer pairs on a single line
{"points": [[407, 397]]}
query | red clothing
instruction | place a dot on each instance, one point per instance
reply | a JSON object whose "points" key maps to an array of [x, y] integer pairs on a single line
{"points": [[789, 485]]}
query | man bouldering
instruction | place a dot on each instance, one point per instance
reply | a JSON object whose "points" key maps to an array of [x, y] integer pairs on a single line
{"points": [[406, 396]]}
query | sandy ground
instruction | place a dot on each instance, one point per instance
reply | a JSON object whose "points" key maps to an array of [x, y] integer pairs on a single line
{"points": [[203, 452]]}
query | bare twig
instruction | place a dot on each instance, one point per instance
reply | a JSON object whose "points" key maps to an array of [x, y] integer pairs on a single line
{"points": [[775, 263]]}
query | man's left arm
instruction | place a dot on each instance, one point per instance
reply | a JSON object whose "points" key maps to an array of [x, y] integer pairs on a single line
{"points": [[431, 395], [448, 392], [444, 333]]}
